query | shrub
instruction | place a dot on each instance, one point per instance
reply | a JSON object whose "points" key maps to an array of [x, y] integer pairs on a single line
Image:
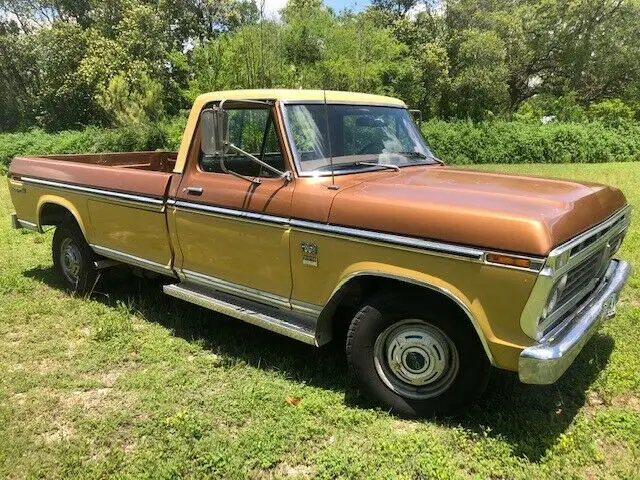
{"points": [[612, 112], [457, 142], [519, 142], [90, 140]]}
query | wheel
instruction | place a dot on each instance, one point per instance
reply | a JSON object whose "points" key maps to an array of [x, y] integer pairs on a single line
{"points": [[73, 259], [416, 358]]}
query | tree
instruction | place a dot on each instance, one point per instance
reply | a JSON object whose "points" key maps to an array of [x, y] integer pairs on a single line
{"points": [[478, 76]]}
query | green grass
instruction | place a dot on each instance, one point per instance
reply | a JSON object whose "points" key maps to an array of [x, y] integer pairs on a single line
{"points": [[135, 384]]}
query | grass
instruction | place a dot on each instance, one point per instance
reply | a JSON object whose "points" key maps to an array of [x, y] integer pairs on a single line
{"points": [[135, 384]]}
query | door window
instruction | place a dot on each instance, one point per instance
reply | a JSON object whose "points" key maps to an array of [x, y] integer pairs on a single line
{"points": [[252, 130]]}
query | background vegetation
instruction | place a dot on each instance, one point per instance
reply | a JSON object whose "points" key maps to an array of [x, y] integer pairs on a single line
{"points": [[457, 142], [67, 64]]}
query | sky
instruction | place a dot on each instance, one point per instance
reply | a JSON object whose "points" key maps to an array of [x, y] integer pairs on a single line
{"points": [[272, 6]]}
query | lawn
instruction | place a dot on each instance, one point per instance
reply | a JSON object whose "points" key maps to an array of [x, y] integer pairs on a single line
{"points": [[135, 384]]}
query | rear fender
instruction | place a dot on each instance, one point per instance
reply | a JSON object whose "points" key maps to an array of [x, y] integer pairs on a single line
{"points": [[64, 203]]}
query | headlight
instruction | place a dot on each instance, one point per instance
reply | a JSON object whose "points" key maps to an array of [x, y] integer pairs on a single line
{"points": [[554, 295], [616, 244]]}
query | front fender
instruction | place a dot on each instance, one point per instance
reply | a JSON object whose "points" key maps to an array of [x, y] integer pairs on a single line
{"points": [[472, 310]]}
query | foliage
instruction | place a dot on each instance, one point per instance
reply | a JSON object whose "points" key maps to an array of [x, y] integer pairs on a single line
{"points": [[612, 112], [465, 142], [91, 139], [132, 101], [73, 63], [460, 142], [563, 108]]}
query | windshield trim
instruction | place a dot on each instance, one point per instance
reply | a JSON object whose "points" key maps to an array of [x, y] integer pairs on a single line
{"points": [[336, 172], [336, 102]]}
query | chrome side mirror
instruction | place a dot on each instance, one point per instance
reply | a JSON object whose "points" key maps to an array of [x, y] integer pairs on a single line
{"points": [[417, 116], [214, 128]]}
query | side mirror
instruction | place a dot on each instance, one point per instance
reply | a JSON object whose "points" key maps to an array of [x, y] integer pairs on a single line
{"points": [[417, 116], [214, 129]]}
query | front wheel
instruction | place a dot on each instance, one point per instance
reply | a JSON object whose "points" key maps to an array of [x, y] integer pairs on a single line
{"points": [[416, 358], [73, 258]]}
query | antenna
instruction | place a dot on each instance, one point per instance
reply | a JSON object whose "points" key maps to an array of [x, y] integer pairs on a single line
{"points": [[333, 185]]}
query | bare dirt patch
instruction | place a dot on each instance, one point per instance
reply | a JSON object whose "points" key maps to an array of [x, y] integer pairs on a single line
{"points": [[59, 432]]}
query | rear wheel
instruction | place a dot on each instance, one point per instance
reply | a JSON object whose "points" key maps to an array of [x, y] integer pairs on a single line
{"points": [[415, 358], [73, 258]]}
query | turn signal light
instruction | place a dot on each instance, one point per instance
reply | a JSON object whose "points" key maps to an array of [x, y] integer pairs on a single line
{"points": [[508, 260]]}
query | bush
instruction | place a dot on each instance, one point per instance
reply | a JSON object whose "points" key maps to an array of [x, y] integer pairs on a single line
{"points": [[520, 142], [612, 112], [91, 140], [455, 142]]}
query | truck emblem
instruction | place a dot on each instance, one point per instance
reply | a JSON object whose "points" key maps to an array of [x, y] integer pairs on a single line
{"points": [[309, 254]]}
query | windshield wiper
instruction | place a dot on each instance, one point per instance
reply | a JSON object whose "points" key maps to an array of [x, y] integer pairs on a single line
{"points": [[383, 165], [422, 156], [413, 154]]}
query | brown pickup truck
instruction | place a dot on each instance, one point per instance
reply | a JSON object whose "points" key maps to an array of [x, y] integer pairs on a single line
{"points": [[315, 213]]}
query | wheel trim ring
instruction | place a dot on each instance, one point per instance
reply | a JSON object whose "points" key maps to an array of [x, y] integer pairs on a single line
{"points": [[433, 379], [70, 260]]}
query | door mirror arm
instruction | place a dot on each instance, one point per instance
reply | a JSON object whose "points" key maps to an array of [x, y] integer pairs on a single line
{"points": [[287, 176]]}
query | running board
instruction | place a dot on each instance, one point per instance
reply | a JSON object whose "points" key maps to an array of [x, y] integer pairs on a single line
{"points": [[277, 320]]}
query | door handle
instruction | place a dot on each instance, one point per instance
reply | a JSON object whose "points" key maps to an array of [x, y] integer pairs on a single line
{"points": [[193, 190]]}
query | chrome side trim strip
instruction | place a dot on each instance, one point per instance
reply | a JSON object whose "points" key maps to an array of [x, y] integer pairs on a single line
{"points": [[214, 283], [28, 225], [443, 291], [95, 191], [242, 214], [133, 260], [450, 249], [305, 308], [241, 311], [429, 245]]}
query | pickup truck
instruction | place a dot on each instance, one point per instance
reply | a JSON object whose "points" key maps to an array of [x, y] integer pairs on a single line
{"points": [[325, 216]]}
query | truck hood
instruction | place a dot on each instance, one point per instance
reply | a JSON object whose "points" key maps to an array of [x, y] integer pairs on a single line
{"points": [[514, 213]]}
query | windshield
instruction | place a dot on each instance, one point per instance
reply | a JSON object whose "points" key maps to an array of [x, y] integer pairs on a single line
{"points": [[358, 136]]}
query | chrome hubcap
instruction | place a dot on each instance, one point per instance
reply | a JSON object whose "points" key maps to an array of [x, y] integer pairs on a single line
{"points": [[416, 359], [70, 260]]}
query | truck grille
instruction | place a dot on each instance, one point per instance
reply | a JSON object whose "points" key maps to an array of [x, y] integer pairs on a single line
{"points": [[585, 274]]}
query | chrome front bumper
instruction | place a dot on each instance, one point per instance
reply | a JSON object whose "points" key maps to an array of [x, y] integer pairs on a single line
{"points": [[546, 361]]}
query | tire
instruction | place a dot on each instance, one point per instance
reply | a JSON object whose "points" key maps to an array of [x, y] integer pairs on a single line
{"points": [[432, 345], [73, 259]]}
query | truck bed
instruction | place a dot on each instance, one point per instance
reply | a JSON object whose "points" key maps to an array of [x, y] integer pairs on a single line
{"points": [[136, 173], [155, 161], [118, 199]]}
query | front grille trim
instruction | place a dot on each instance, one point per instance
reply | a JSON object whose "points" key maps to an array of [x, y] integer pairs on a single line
{"points": [[582, 275], [565, 258]]}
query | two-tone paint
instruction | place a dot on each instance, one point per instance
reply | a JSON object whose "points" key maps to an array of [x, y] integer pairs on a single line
{"points": [[296, 245]]}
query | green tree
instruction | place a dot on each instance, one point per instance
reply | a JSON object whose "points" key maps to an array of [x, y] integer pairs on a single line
{"points": [[132, 100], [478, 76]]}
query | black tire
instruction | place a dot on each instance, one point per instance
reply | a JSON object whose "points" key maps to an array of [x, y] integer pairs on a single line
{"points": [[462, 385], [69, 237]]}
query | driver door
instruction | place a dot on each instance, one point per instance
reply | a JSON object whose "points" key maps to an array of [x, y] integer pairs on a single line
{"points": [[232, 233]]}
